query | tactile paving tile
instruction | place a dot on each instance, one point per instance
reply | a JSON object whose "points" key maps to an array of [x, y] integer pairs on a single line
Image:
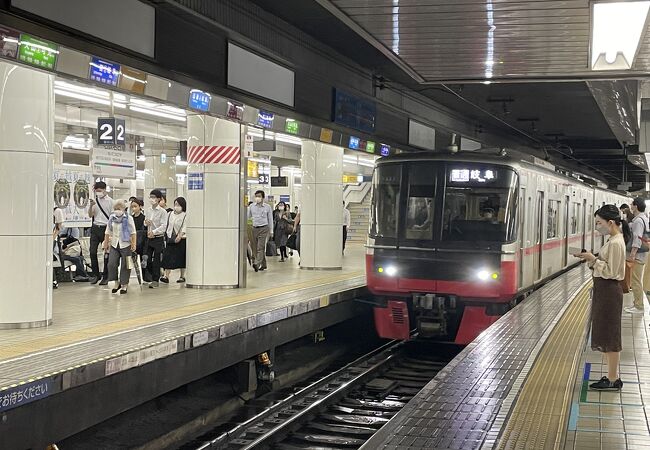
{"points": [[464, 407]]}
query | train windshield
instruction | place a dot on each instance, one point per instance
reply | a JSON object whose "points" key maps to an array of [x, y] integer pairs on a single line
{"points": [[479, 204], [426, 204]]}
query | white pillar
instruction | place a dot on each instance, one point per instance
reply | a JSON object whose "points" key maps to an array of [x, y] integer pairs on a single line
{"points": [[321, 206], [26, 165], [213, 209], [159, 175]]}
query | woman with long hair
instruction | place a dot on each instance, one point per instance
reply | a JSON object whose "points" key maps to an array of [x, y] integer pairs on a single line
{"points": [[607, 299]]}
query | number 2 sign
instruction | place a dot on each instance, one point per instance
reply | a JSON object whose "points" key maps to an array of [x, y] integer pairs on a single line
{"points": [[111, 131]]}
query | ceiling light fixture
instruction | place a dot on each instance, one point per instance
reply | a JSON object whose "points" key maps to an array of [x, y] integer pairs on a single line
{"points": [[616, 30], [157, 113]]}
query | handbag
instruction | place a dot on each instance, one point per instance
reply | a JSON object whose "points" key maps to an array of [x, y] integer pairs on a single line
{"points": [[271, 249], [626, 282], [172, 240], [292, 241]]}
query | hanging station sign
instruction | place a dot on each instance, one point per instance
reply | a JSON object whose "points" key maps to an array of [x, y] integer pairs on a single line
{"points": [[37, 52], [384, 150], [111, 158], [265, 119], [235, 111], [200, 100], [9, 41], [104, 72], [292, 126]]}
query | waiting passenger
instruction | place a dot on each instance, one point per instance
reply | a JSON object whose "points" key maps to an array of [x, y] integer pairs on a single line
{"points": [[283, 229], [346, 225], [156, 223], [99, 211], [175, 249], [607, 299], [163, 204], [636, 256], [262, 216], [138, 219], [626, 214], [120, 241]]}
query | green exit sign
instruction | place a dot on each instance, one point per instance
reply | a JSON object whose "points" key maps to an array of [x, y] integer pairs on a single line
{"points": [[370, 147], [291, 126], [37, 52]]}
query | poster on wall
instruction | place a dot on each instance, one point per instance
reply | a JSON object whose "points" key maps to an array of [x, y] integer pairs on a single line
{"points": [[113, 161], [71, 193]]}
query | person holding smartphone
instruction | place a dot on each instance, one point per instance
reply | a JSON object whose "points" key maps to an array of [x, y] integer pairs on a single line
{"points": [[607, 300]]}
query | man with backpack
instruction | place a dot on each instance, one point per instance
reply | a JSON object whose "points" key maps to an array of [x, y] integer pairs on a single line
{"points": [[639, 253]]}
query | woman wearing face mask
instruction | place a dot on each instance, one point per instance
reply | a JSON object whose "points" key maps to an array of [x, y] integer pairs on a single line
{"points": [[283, 228], [175, 250], [120, 238], [607, 299]]}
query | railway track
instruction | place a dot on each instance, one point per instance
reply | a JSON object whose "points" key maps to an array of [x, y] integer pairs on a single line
{"points": [[343, 409]]}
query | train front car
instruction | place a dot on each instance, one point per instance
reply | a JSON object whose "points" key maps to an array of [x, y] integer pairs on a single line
{"points": [[441, 252]]}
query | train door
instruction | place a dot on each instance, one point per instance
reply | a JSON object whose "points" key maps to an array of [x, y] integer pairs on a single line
{"points": [[522, 208], [584, 223], [565, 243], [538, 237]]}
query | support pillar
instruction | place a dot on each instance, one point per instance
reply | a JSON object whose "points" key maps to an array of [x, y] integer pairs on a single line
{"points": [[26, 166], [213, 202], [321, 207], [160, 175]]}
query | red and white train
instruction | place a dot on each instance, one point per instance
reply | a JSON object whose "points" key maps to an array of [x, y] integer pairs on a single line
{"points": [[455, 241]]}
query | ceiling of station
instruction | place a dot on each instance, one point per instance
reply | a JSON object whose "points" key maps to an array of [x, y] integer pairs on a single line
{"points": [[465, 40]]}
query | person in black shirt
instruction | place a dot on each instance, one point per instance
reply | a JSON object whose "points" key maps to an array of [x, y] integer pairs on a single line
{"points": [[137, 212]]}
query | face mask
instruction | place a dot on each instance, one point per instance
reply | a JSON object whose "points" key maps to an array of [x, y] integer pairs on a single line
{"points": [[119, 213], [258, 199], [603, 229], [153, 201], [100, 194], [178, 209]]}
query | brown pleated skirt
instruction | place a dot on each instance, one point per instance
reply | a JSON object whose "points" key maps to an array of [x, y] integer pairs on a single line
{"points": [[606, 310]]}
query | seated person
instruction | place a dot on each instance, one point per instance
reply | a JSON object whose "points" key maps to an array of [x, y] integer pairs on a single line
{"points": [[488, 215], [71, 248]]}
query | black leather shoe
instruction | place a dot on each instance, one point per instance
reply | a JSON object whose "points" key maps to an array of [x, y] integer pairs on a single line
{"points": [[255, 267], [103, 282], [94, 280]]}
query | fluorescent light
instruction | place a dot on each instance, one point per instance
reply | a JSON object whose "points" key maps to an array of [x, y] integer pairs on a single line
{"points": [[288, 139], [153, 112], [617, 28], [78, 96]]}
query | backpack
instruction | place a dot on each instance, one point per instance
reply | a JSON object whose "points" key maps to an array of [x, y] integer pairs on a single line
{"points": [[645, 237]]}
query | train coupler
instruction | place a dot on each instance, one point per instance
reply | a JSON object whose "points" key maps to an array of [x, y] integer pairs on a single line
{"points": [[431, 312]]}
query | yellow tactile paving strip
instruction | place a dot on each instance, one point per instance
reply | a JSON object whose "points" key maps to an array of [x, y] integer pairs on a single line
{"points": [[539, 417], [25, 347]]}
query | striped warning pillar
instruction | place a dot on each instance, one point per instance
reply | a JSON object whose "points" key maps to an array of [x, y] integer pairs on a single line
{"points": [[213, 205]]}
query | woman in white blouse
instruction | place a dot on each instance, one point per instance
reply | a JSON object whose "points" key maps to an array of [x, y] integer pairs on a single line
{"points": [[607, 298], [175, 248], [120, 237]]}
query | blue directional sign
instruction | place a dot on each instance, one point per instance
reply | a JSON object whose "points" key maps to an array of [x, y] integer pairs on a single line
{"points": [[200, 100], [104, 72]]}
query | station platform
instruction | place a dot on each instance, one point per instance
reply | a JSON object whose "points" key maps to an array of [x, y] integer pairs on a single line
{"points": [[96, 336], [523, 383]]}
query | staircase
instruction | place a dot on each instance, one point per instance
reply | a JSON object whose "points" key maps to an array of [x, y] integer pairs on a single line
{"points": [[359, 217]]}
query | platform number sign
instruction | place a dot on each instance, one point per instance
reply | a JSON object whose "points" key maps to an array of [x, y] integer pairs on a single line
{"points": [[111, 131]]}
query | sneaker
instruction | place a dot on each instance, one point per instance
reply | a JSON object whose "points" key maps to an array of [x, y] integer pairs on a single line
{"points": [[633, 310], [605, 385], [164, 280], [181, 280]]}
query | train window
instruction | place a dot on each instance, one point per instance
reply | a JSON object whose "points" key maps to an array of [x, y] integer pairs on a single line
{"points": [[419, 212], [385, 201], [482, 211], [574, 220], [553, 219]]}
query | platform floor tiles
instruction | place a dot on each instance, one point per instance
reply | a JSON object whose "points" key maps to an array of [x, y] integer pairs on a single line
{"points": [[614, 420], [84, 312]]}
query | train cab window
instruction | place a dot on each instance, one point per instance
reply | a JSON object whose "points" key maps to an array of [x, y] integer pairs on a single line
{"points": [[385, 201], [419, 205], [480, 205]]}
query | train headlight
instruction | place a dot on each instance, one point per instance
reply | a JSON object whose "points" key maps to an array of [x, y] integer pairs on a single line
{"points": [[391, 271], [485, 275]]}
